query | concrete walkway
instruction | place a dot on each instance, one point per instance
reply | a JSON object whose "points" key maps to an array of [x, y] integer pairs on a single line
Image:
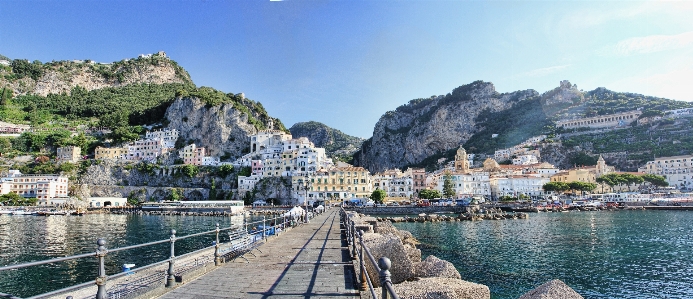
{"points": [[309, 261]]}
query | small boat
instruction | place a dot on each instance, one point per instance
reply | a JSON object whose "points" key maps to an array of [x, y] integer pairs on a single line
{"points": [[5, 212], [422, 215], [22, 212]]}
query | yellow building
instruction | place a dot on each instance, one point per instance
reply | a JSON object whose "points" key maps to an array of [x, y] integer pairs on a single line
{"points": [[341, 182], [110, 153], [69, 154]]}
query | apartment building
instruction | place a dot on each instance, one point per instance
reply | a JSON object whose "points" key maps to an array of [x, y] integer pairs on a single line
{"points": [[69, 154], [113, 153], [678, 170]]}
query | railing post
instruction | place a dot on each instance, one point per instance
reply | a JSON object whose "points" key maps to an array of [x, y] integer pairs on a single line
{"points": [[384, 264], [101, 252], [353, 239], [171, 280], [264, 227], [362, 264], [217, 259]]}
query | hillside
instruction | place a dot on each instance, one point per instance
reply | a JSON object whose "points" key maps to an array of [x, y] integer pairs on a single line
{"points": [[426, 127], [56, 77], [336, 143], [421, 132]]}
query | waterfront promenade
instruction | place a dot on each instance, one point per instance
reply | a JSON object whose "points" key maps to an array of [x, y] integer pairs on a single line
{"points": [[307, 261]]}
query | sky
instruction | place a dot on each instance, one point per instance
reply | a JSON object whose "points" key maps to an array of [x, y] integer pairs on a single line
{"points": [[346, 63]]}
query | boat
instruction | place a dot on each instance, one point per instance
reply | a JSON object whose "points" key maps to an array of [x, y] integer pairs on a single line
{"points": [[422, 215], [22, 212], [5, 212]]}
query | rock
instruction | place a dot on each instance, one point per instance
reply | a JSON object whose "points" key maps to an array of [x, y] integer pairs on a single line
{"points": [[391, 247], [442, 288], [554, 289], [425, 127], [435, 267]]}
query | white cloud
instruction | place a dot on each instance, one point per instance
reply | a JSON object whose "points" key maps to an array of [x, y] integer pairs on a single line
{"points": [[649, 44], [543, 71]]}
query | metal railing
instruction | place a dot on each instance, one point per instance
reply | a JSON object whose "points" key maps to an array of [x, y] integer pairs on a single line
{"points": [[258, 233], [382, 266]]}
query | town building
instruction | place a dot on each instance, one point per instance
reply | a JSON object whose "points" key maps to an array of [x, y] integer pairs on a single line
{"points": [[168, 136], [678, 170], [42, 187], [601, 121], [517, 185], [145, 150], [69, 154], [111, 153], [191, 154]]}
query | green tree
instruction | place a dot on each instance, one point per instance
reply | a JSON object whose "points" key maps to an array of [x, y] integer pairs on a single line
{"points": [[656, 180], [556, 187], [631, 179], [190, 170], [448, 188], [175, 195], [224, 170], [212, 192], [429, 194], [5, 145], [245, 171], [378, 195]]}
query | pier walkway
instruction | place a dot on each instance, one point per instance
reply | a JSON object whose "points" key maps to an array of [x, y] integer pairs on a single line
{"points": [[309, 261]]}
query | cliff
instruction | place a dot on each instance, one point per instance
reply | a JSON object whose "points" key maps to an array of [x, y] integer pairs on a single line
{"points": [[335, 142], [57, 77], [222, 125], [425, 127]]}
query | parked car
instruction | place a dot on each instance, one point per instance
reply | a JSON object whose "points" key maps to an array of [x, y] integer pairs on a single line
{"points": [[394, 204]]}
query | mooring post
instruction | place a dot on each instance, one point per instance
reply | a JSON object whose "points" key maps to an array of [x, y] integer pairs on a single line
{"points": [[101, 252], [171, 280]]}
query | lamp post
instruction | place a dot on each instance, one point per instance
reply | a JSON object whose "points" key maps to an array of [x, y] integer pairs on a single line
{"points": [[306, 186]]}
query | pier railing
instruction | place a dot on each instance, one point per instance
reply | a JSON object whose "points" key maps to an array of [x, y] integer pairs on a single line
{"points": [[242, 240], [382, 266]]}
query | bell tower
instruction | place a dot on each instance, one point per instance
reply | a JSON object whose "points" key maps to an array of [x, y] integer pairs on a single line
{"points": [[461, 161]]}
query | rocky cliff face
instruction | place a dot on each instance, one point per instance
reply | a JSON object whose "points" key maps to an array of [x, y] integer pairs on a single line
{"points": [[425, 127], [221, 129], [334, 141], [62, 76]]}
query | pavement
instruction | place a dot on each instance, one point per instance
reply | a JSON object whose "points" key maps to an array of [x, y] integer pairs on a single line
{"points": [[309, 261]]}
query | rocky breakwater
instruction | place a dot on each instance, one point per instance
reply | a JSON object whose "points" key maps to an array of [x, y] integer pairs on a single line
{"points": [[411, 276], [432, 277], [473, 214]]}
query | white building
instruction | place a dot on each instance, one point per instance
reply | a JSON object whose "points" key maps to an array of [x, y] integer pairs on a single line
{"points": [[168, 136], [525, 160], [145, 150], [467, 184], [516, 185], [678, 170], [42, 187]]}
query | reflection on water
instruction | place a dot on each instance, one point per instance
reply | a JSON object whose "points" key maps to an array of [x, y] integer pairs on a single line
{"points": [[33, 238], [624, 254]]}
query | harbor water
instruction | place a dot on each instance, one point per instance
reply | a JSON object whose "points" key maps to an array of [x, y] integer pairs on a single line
{"points": [[618, 254], [33, 238]]}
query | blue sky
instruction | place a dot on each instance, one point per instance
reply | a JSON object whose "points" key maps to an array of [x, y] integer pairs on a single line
{"points": [[345, 63]]}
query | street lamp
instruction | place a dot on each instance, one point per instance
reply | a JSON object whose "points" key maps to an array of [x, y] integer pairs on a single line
{"points": [[306, 186]]}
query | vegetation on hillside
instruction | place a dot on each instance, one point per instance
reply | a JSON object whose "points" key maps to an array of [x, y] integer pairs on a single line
{"points": [[115, 72], [337, 144]]}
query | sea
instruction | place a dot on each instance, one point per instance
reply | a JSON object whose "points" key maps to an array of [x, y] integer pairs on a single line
{"points": [[601, 254]]}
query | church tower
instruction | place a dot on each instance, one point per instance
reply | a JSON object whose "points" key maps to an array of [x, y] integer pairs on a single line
{"points": [[461, 161], [601, 166]]}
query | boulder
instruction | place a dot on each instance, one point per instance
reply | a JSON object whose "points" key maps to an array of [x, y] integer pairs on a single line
{"points": [[389, 246], [554, 289], [435, 267], [442, 288]]}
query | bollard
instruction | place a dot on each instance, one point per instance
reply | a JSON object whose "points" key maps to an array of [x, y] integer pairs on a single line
{"points": [[171, 280], [362, 264], [101, 252], [384, 264], [217, 259]]}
